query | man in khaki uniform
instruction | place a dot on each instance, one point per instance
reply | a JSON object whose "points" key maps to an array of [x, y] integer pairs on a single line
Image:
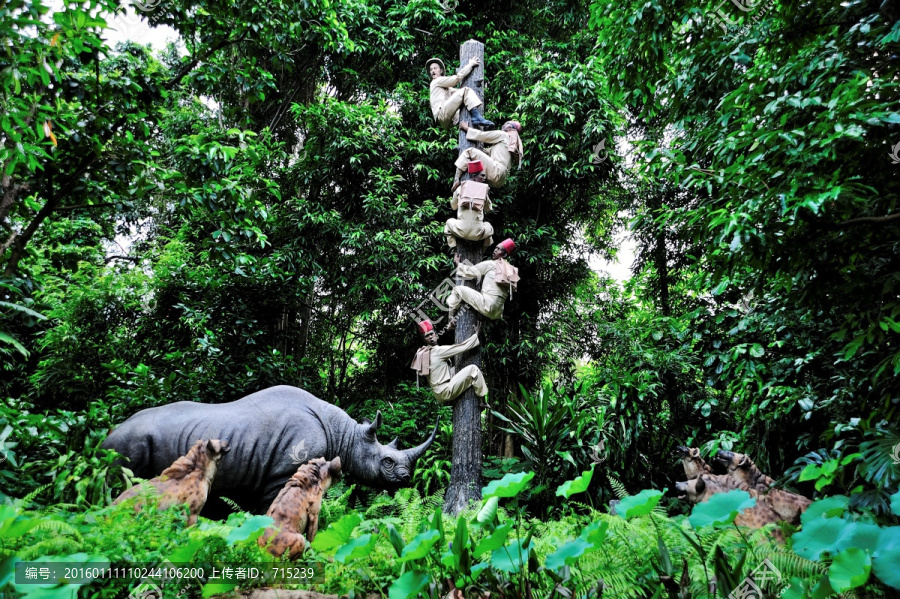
{"points": [[446, 98], [433, 361], [497, 158], [470, 201], [500, 278]]}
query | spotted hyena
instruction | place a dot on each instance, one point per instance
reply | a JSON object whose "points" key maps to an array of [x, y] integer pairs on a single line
{"points": [[744, 472], [296, 509], [700, 489], [693, 463], [747, 476], [187, 480]]}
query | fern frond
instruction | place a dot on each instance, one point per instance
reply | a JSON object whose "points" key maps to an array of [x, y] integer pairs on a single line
{"points": [[51, 546], [336, 503], [30, 497], [232, 504], [58, 527], [617, 487]]}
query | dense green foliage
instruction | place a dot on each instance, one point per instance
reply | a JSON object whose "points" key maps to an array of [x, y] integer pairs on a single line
{"points": [[405, 546], [262, 204]]}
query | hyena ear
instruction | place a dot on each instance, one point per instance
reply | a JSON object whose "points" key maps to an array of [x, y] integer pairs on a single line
{"points": [[700, 486], [334, 467], [745, 462]]}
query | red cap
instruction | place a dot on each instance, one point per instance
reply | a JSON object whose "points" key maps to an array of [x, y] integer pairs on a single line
{"points": [[475, 167], [517, 125], [507, 244], [425, 326]]}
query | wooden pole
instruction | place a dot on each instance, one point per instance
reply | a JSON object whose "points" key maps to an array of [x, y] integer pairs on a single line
{"points": [[465, 473]]}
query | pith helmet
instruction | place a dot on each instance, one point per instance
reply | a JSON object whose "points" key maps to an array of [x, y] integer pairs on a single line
{"points": [[437, 60]]}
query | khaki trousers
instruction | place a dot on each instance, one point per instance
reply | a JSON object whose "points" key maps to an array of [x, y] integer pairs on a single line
{"points": [[470, 376], [466, 228], [494, 170], [448, 113], [490, 306]]}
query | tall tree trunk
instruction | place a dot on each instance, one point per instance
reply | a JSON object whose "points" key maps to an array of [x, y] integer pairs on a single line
{"points": [[660, 254], [465, 473]]}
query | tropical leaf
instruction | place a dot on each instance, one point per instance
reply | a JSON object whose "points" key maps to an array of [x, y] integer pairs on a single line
{"points": [[640, 504], [721, 509], [508, 486], [409, 585], [850, 569], [579, 485]]}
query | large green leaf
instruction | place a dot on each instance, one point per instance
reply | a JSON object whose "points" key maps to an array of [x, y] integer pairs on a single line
{"points": [[567, 554], [721, 509], [217, 588], [461, 539], [595, 533], [494, 541], [590, 540], [887, 557], [830, 507], [895, 503], [508, 486], [797, 590], [186, 552], [420, 545], [510, 558], [818, 536], [409, 585], [640, 504], [396, 540], [488, 511], [12, 525], [832, 535], [850, 569], [356, 548], [336, 534], [252, 528], [579, 485]]}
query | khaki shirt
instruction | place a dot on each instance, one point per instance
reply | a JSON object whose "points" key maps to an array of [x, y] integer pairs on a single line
{"points": [[441, 370], [441, 88], [495, 145]]}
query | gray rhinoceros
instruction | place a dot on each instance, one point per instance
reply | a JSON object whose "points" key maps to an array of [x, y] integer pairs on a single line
{"points": [[271, 433]]}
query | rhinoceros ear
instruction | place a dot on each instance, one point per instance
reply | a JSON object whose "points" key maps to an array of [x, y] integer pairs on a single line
{"points": [[373, 428]]}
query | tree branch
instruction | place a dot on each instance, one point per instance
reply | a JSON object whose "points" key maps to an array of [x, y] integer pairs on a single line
{"points": [[876, 220], [86, 206], [52, 204]]}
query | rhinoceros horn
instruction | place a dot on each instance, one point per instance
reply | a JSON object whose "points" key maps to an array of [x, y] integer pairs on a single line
{"points": [[393, 444], [415, 453], [373, 428]]}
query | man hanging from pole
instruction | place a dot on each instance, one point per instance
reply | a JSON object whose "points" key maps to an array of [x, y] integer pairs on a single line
{"points": [[470, 201], [446, 98], [433, 361], [497, 158], [500, 279]]}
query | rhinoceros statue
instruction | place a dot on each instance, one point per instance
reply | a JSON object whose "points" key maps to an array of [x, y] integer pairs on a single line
{"points": [[271, 433]]}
